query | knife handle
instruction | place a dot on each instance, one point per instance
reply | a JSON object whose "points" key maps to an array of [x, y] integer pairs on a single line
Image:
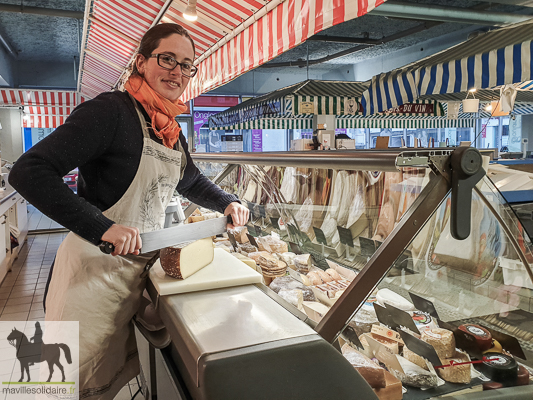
{"points": [[106, 247]]}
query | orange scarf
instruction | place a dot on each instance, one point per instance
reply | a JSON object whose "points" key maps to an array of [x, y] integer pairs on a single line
{"points": [[162, 111]]}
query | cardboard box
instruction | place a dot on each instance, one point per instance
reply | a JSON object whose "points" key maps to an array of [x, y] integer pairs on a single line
{"points": [[301, 144]]}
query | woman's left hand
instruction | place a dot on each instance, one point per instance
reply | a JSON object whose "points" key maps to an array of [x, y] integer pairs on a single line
{"points": [[238, 213]]}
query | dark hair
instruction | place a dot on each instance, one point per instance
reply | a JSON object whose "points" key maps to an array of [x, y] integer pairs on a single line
{"points": [[151, 39]]}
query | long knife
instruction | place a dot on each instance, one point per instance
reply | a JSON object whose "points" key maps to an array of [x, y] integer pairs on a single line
{"points": [[179, 234]]}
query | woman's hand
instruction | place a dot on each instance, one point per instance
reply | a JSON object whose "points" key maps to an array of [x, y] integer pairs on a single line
{"points": [[127, 240], [238, 213]]}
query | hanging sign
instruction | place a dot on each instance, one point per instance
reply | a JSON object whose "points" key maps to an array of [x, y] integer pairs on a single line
{"points": [[351, 106], [307, 107]]}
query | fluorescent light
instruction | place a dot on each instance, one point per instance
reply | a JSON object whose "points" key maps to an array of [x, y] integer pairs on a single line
{"points": [[190, 12], [472, 90], [488, 107]]}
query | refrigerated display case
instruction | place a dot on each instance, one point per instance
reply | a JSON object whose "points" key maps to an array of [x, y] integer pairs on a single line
{"points": [[428, 274]]}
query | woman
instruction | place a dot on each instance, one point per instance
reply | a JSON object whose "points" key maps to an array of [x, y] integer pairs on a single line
{"points": [[131, 156]]}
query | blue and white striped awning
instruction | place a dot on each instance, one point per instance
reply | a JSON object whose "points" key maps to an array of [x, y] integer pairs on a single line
{"points": [[492, 59]]}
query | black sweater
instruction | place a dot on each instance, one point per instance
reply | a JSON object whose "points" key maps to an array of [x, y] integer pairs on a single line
{"points": [[103, 138]]}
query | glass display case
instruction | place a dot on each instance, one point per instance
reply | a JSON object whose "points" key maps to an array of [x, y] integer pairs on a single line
{"points": [[412, 260]]}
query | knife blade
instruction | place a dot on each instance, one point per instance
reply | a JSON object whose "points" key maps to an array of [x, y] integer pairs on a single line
{"points": [[179, 234]]}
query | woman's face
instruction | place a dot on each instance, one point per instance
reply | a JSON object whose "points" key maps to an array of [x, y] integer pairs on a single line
{"points": [[169, 84]]}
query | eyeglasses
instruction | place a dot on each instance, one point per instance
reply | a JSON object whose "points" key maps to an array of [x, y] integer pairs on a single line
{"points": [[169, 62]]}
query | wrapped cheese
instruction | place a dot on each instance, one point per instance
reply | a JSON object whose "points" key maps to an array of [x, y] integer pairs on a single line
{"points": [[442, 340], [456, 373], [333, 274], [369, 370], [325, 277], [314, 278], [272, 245], [292, 296], [288, 283], [247, 260], [302, 262], [288, 257], [246, 248], [387, 296], [182, 261], [413, 375], [240, 234]]}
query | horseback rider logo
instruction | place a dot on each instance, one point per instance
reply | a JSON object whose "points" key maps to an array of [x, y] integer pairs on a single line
{"points": [[34, 351]]}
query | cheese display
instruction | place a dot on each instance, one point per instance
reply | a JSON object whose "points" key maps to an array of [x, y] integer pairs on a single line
{"points": [[483, 336], [456, 373], [369, 370], [442, 340], [333, 274], [245, 248], [247, 260], [387, 296], [182, 261]]}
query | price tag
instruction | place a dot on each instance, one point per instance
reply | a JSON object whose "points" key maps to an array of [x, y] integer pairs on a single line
{"points": [[319, 260], [258, 231], [320, 237], [232, 240], [251, 230], [292, 230], [345, 236], [424, 305], [350, 335], [275, 223], [261, 210], [385, 317], [305, 238], [420, 347], [402, 318], [295, 248], [368, 246], [252, 240]]}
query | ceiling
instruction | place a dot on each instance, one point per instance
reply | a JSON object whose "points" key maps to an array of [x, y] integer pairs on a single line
{"points": [[41, 39]]}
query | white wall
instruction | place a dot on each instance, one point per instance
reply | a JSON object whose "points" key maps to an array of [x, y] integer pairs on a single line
{"points": [[11, 134]]}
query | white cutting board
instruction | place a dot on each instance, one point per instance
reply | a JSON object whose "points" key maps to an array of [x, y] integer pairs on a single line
{"points": [[224, 271]]}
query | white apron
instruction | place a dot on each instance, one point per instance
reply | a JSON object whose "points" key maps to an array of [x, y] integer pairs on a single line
{"points": [[103, 292]]}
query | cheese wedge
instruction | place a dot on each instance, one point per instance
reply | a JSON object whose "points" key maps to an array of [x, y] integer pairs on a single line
{"points": [[184, 260]]}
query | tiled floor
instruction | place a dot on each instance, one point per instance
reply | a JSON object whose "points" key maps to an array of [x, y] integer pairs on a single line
{"points": [[22, 291]]}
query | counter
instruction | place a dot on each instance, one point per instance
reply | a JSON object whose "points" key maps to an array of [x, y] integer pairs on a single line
{"points": [[13, 219]]}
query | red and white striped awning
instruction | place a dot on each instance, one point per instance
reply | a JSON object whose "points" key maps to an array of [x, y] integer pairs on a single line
{"points": [[42, 108], [231, 37]]}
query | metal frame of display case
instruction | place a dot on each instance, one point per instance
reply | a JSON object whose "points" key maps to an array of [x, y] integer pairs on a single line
{"points": [[447, 165]]}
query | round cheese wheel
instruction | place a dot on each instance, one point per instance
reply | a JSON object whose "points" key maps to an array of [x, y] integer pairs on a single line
{"points": [[496, 347], [423, 320], [492, 385], [387, 296], [523, 376], [500, 368], [483, 336]]}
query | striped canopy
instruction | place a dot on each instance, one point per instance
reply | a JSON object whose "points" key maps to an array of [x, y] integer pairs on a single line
{"points": [[404, 122], [272, 123], [492, 59], [41, 108], [291, 102], [231, 36]]}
